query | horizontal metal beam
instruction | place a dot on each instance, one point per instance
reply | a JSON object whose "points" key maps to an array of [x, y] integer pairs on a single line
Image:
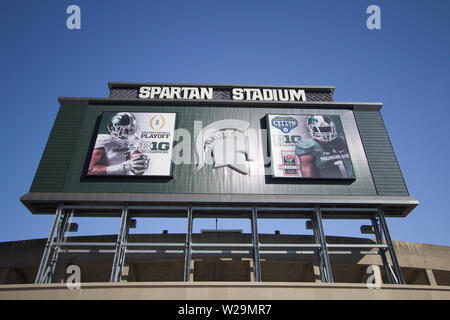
{"points": [[179, 208], [356, 245], [221, 251], [227, 208], [353, 252], [290, 245], [299, 209], [349, 209], [307, 209], [288, 252], [84, 244], [111, 244], [162, 251], [46, 202], [275, 252], [249, 245], [98, 206], [218, 208], [153, 244], [88, 251], [119, 207]]}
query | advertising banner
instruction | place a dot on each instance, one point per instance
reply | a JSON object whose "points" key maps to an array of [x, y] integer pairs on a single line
{"points": [[133, 143], [309, 146]]}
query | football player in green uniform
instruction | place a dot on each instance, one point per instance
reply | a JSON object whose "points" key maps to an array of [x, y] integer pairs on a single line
{"points": [[326, 154]]}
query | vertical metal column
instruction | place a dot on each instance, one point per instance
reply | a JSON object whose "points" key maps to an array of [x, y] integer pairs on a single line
{"points": [[124, 248], [318, 251], [323, 244], [188, 246], [59, 238], [382, 251], [43, 270], [119, 256], [255, 240], [390, 245]]}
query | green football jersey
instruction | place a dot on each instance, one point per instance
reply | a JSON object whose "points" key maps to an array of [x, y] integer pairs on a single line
{"points": [[331, 159]]}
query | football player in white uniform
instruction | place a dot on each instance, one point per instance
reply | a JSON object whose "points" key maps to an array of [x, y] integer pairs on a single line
{"points": [[117, 153]]}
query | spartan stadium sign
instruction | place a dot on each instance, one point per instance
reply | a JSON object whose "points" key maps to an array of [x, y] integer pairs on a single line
{"points": [[176, 93], [268, 94], [207, 93]]}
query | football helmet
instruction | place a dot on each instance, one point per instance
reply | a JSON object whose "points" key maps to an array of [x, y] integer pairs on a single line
{"points": [[122, 125], [322, 128]]}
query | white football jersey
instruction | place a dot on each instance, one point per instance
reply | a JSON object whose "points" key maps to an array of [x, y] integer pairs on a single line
{"points": [[116, 150]]}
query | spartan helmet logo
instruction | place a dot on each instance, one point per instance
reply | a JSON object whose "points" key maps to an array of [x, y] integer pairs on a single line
{"points": [[226, 142]]}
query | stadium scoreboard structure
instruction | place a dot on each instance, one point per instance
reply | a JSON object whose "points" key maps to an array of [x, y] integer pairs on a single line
{"points": [[189, 150]]}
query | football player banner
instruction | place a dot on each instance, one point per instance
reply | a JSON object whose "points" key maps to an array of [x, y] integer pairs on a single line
{"points": [[309, 146], [133, 143]]}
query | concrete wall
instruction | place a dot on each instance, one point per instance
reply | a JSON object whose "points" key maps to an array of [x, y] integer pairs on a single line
{"points": [[222, 291]]}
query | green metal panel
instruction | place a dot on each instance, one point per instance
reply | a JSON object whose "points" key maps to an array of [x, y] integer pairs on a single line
{"points": [[56, 159], [207, 180], [383, 163]]}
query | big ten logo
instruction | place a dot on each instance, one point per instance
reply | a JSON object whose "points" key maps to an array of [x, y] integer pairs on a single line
{"points": [[74, 278], [374, 20], [292, 139], [154, 146], [285, 140], [73, 22]]}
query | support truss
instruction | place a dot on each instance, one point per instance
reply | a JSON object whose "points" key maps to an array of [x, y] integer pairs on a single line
{"points": [[56, 242]]}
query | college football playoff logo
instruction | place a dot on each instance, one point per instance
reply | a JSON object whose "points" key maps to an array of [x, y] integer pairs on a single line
{"points": [[157, 122]]}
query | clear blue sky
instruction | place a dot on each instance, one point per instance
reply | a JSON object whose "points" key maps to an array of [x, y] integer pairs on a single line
{"points": [[405, 65]]}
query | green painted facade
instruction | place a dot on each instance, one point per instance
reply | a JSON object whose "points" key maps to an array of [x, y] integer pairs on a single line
{"points": [[386, 172], [64, 162]]}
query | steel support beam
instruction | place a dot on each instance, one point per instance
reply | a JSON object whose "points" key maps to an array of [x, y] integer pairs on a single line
{"points": [[208, 208], [64, 227], [44, 268], [325, 259], [318, 251], [255, 241], [387, 236], [119, 255], [382, 251], [188, 246], [57, 244]]}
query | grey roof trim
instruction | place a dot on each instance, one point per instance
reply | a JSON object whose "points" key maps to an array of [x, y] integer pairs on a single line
{"points": [[236, 199], [360, 106]]}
